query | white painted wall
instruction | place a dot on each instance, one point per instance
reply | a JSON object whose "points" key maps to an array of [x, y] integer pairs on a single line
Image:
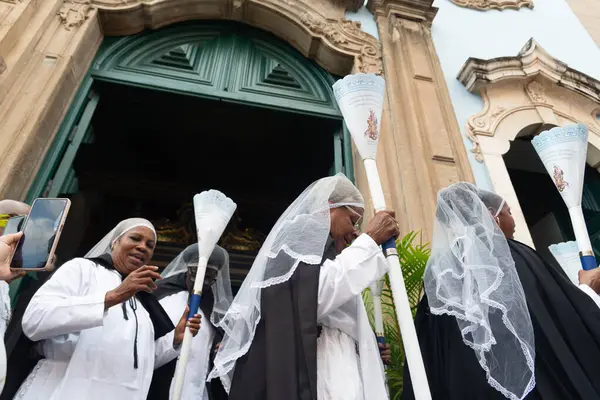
{"points": [[460, 33]]}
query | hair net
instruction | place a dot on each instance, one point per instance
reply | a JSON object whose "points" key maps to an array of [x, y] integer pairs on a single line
{"points": [[104, 246], [492, 201], [471, 276], [221, 287], [300, 235]]}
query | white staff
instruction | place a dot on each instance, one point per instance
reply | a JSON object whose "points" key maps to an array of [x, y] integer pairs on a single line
{"points": [[563, 150], [360, 98], [213, 210]]}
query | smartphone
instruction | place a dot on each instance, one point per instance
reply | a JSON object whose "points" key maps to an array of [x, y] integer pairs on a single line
{"points": [[14, 225], [41, 232]]}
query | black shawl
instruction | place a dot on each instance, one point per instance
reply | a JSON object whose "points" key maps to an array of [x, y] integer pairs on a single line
{"points": [[281, 363], [161, 379], [566, 325]]}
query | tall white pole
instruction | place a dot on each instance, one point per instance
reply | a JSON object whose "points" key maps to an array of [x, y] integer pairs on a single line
{"points": [[405, 321]]}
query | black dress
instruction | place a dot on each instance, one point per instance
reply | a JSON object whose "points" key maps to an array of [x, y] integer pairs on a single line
{"points": [[566, 325], [281, 363]]}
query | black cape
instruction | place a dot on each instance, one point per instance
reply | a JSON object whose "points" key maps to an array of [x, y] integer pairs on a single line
{"points": [[162, 377], [281, 363], [566, 324]]}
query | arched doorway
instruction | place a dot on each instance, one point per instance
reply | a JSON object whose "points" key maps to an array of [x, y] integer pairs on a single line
{"points": [[165, 114], [168, 113], [543, 208]]}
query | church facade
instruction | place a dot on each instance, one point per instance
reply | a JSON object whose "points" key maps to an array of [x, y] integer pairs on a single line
{"points": [[467, 82]]}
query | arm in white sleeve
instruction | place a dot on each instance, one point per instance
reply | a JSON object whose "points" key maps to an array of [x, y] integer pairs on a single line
{"points": [[61, 306], [590, 292], [351, 272], [164, 350]]}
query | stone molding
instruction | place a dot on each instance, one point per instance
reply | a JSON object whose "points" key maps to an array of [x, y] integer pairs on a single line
{"points": [[486, 5], [529, 92], [537, 80], [337, 44], [415, 10], [73, 13]]}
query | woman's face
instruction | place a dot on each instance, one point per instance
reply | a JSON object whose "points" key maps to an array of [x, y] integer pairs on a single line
{"points": [[343, 229], [506, 222], [133, 249]]}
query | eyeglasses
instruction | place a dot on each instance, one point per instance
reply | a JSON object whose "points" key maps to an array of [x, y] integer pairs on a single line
{"points": [[358, 221]]}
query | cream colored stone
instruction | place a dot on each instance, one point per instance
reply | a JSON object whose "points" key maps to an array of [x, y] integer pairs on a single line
{"points": [[485, 5], [588, 12], [531, 88]]}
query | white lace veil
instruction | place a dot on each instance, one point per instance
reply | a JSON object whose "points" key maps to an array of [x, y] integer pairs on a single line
{"points": [[300, 235], [221, 287], [471, 276], [104, 246]]}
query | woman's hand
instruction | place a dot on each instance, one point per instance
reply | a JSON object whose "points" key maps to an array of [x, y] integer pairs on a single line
{"points": [[590, 278], [7, 247], [140, 280], [386, 353], [193, 323], [382, 227]]}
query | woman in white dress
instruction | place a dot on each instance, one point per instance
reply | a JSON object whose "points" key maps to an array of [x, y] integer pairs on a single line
{"points": [[100, 331]]}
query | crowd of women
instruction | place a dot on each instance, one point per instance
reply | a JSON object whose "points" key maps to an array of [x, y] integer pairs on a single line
{"points": [[497, 320]]}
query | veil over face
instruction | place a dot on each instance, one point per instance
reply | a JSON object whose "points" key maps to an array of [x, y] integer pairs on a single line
{"points": [[471, 276], [299, 236], [218, 265]]}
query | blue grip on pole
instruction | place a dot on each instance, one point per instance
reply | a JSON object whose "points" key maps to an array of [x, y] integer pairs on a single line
{"points": [[380, 340], [588, 262], [390, 244], [194, 305]]}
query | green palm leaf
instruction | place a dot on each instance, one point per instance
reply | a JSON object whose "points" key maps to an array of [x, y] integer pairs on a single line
{"points": [[413, 259]]}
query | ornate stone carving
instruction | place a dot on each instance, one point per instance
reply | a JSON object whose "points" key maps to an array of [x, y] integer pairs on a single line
{"points": [[485, 5], [536, 92], [326, 28], [338, 45], [532, 85], [3, 65], [73, 13]]}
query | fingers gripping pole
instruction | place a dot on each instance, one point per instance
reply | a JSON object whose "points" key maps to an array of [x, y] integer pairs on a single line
{"points": [[186, 346], [405, 320]]}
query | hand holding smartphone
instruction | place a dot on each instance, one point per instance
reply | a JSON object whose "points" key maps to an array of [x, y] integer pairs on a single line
{"points": [[41, 231]]}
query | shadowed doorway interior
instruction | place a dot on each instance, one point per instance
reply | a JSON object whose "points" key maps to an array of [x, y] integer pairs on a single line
{"points": [[149, 152]]}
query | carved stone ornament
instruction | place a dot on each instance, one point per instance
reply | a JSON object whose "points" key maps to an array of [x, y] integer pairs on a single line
{"points": [[73, 13], [338, 45], [485, 5], [3, 65], [536, 92], [532, 84]]}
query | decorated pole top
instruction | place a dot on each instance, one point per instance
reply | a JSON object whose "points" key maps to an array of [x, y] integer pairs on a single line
{"points": [[360, 98]]}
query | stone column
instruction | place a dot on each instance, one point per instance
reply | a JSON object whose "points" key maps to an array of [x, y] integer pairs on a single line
{"points": [[421, 149], [46, 47]]}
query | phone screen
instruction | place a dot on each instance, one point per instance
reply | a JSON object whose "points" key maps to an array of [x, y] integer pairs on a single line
{"points": [[14, 225], [39, 233]]}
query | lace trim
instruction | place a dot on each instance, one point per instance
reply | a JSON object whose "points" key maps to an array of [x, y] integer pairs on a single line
{"points": [[486, 347]]}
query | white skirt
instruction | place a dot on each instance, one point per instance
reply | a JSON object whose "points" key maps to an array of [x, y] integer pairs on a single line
{"points": [[43, 380], [338, 367]]}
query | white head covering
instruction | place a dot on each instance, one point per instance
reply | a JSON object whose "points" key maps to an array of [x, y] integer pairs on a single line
{"points": [[300, 235], [104, 246], [471, 276], [492, 201], [221, 288]]}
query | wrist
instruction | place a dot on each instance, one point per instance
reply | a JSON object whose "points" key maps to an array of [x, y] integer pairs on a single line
{"points": [[110, 299]]}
